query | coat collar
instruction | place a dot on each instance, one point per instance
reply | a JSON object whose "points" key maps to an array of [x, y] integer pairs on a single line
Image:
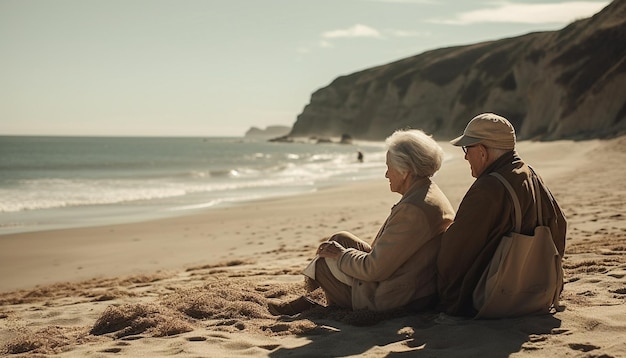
{"points": [[506, 158], [418, 184]]}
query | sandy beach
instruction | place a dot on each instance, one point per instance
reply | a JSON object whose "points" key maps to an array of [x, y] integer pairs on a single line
{"points": [[198, 285]]}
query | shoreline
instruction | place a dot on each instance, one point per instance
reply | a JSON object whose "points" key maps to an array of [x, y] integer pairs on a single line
{"points": [[30, 259], [127, 180]]}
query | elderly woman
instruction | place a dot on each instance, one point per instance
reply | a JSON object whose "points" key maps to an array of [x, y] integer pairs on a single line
{"points": [[399, 268]]}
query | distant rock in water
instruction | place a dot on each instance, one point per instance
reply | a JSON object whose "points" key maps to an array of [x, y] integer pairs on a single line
{"points": [[560, 84], [267, 133], [346, 139]]}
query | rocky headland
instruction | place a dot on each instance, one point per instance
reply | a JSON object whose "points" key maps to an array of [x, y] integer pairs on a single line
{"points": [[268, 132]]}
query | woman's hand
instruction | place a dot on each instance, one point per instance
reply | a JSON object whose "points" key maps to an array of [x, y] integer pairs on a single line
{"points": [[330, 249]]}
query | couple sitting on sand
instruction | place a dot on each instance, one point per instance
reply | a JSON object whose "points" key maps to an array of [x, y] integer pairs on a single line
{"points": [[424, 256]]}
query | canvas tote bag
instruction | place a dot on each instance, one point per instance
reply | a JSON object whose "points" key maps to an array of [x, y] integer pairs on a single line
{"points": [[524, 277]]}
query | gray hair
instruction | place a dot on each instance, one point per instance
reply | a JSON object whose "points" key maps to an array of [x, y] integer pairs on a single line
{"points": [[496, 152], [413, 151]]}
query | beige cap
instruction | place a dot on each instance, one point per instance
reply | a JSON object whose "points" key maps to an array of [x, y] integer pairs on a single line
{"points": [[488, 129]]}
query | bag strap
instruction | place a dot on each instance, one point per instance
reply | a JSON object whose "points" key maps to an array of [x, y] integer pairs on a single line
{"points": [[538, 186], [537, 195], [516, 205]]}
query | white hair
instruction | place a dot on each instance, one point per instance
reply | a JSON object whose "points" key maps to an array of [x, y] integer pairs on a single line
{"points": [[413, 151]]}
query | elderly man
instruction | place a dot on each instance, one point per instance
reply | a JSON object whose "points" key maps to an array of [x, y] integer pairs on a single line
{"points": [[486, 212]]}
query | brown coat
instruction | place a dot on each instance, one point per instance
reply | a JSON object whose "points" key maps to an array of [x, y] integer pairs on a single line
{"points": [[402, 264], [484, 216]]}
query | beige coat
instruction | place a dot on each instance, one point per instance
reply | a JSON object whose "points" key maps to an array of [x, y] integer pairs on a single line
{"points": [[402, 264]]}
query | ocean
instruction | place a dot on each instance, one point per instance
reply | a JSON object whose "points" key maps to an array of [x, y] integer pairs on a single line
{"points": [[61, 182]]}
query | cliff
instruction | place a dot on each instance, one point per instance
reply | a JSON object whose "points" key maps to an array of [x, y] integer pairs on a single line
{"points": [[561, 84]]}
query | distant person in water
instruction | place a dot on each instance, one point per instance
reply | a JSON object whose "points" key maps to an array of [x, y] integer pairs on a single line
{"points": [[359, 156], [399, 268]]}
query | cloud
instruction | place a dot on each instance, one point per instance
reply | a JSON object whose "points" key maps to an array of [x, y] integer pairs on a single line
{"points": [[357, 30], [562, 13]]}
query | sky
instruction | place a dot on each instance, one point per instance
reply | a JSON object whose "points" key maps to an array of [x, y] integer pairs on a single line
{"points": [[212, 68]]}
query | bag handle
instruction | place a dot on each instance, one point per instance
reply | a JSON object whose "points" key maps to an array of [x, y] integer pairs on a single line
{"points": [[537, 196], [516, 204]]}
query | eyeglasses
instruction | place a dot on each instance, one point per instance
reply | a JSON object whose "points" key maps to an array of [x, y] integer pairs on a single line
{"points": [[466, 147]]}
